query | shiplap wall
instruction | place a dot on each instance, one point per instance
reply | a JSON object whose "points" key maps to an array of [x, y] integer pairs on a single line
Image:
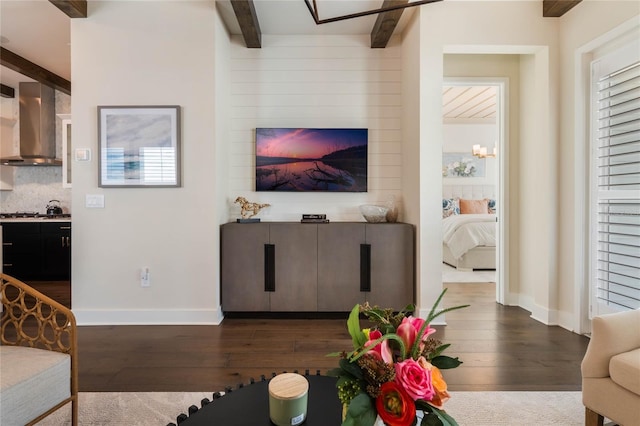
{"points": [[316, 82]]}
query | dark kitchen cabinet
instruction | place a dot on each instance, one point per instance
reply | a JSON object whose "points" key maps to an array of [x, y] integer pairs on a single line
{"points": [[37, 251], [56, 250], [21, 250], [329, 267]]}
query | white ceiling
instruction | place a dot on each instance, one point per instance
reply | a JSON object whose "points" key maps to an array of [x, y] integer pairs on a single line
{"points": [[40, 32]]}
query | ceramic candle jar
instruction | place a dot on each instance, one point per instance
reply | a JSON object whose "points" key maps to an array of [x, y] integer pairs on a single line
{"points": [[288, 394]]}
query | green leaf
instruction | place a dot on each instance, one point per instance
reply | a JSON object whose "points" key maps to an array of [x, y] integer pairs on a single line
{"points": [[433, 314], [434, 416], [431, 419], [439, 350], [361, 411], [444, 362], [446, 419], [336, 372], [353, 325], [389, 336], [351, 368]]}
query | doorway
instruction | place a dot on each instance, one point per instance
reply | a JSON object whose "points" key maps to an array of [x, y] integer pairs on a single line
{"points": [[473, 168]]}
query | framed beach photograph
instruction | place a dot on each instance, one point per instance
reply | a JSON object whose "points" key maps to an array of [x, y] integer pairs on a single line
{"points": [[139, 146]]}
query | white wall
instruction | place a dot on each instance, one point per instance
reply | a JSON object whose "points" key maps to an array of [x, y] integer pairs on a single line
{"points": [[489, 27], [147, 53], [413, 180], [460, 138], [311, 81]]}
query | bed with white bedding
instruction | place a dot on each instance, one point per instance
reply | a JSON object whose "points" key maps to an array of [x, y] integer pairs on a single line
{"points": [[473, 246], [469, 241]]}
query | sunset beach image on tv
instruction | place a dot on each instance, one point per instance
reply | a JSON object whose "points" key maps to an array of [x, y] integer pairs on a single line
{"points": [[333, 160]]}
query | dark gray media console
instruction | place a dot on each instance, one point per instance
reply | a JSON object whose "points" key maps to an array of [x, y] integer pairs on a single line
{"points": [[316, 267]]}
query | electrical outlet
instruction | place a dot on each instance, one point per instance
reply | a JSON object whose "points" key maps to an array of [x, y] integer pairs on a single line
{"points": [[145, 278]]}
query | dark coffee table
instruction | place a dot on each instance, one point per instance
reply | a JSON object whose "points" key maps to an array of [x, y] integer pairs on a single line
{"points": [[249, 406]]}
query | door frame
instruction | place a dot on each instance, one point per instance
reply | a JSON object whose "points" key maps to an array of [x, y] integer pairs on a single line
{"points": [[502, 122], [581, 144]]}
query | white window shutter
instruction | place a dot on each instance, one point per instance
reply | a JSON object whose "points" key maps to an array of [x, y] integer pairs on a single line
{"points": [[615, 182]]}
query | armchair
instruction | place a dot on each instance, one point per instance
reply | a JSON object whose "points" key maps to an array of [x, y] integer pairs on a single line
{"points": [[39, 371], [611, 370]]}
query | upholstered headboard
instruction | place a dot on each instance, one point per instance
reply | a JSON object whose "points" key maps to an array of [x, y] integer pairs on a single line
{"points": [[470, 192]]}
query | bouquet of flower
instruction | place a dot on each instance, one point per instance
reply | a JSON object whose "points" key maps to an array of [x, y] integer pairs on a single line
{"points": [[393, 373]]}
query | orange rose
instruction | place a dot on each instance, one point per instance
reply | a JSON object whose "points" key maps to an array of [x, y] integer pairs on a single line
{"points": [[437, 381]]}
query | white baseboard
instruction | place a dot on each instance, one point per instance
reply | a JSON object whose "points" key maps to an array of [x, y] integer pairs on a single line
{"points": [[149, 316], [544, 315]]}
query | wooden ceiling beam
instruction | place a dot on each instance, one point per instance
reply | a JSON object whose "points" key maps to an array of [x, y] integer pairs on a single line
{"points": [[246, 14], [7, 92], [72, 8], [557, 8], [386, 23], [34, 71]]}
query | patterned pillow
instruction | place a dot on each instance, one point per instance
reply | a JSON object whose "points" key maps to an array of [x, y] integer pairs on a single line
{"points": [[492, 206], [450, 206]]}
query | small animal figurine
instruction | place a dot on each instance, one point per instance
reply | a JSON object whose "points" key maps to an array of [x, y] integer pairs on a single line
{"points": [[246, 207]]}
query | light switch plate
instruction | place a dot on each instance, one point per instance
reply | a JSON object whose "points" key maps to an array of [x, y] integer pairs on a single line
{"points": [[83, 154], [94, 201]]}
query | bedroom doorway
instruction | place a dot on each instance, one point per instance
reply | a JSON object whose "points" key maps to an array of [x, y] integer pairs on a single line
{"points": [[473, 192]]}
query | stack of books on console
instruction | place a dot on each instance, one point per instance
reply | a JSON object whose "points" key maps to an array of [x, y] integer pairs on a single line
{"points": [[314, 218]]}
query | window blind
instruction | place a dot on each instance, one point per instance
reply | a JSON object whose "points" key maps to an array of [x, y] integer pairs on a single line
{"points": [[617, 209]]}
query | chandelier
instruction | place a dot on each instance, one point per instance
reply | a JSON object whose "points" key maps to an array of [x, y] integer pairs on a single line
{"points": [[482, 152], [313, 9]]}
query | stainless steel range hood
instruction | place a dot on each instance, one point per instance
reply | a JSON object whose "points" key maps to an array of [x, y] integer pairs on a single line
{"points": [[37, 127]]}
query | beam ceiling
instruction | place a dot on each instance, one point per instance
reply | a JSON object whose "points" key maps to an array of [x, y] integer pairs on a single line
{"points": [[72, 8], [34, 71], [386, 23], [246, 14], [557, 8]]}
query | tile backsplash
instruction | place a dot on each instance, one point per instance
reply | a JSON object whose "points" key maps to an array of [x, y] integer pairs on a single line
{"points": [[33, 188]]}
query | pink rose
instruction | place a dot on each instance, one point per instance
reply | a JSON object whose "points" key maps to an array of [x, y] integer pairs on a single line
{"points": [[408, 331], [414, 379], [381, 350]]}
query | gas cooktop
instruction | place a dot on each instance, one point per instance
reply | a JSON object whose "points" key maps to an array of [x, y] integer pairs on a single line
{"points": [[33, 215]]}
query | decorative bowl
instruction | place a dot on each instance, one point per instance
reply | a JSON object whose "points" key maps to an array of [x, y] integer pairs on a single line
{"points": [[373, 213]]}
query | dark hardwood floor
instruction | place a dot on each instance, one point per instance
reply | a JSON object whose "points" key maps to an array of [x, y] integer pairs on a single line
{"points": [[502, 349]]}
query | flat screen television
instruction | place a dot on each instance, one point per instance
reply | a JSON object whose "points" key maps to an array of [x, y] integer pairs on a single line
{"points": [[330, 160]]}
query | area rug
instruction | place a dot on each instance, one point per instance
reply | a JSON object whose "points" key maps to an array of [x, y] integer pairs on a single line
{"points": [[468, 408]]}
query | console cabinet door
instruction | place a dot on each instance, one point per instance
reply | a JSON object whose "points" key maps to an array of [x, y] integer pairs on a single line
{"points": [[296, 267], [392, 264], [339, 266], [243, 267]]}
